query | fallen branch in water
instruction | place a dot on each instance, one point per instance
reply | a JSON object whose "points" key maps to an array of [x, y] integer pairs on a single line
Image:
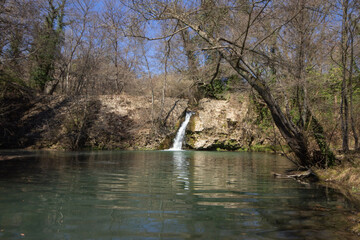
{"points": [[299, 175]]}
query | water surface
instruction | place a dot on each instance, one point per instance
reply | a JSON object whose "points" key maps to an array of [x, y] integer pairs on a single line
{"points": [[163, 195]]}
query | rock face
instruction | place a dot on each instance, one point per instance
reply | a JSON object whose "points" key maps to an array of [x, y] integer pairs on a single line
{"points": [[125, 122], [132, 116], [223, 125], [98, 122]]}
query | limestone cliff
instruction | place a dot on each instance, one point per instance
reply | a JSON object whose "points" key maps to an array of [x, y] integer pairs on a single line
{"points": [[125, 122], [98, 122], [226, 125]]}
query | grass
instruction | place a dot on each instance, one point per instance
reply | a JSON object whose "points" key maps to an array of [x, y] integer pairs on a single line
{"points": [[345, 175]]}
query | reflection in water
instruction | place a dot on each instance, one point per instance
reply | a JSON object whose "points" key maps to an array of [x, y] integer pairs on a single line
{"points": [[163, 195], [181, 168]]}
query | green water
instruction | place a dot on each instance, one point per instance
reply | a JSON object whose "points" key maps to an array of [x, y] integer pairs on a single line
{"points": [[163, 195]]}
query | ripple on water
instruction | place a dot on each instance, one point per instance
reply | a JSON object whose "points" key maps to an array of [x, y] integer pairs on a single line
{"points": [[163, 195]]}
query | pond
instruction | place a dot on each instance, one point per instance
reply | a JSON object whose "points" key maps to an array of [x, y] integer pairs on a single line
{"points": [[163, 195]]}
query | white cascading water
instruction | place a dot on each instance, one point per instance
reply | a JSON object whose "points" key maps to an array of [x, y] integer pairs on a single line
{"points": [[178, 141]]}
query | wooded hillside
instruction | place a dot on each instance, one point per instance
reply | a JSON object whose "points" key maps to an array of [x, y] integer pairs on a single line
{"points": [[299, 60]]}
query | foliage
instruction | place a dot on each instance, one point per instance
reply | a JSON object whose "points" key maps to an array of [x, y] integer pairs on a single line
{"points": [[219, 87], [216, 89], [47, 46], [263, 117]]}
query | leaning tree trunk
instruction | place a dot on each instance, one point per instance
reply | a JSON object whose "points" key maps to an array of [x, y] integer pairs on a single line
{"points": [[293, 136]]}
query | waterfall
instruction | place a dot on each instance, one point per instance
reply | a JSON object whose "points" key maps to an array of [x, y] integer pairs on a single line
{"points": [[178, 140]]}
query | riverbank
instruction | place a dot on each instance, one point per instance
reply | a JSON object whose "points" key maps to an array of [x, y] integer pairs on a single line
{"points": [[345, 178]]}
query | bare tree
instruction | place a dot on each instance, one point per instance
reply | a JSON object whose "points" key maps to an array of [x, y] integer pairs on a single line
{"points": [[344, 107], [350, 17], [354, 21], [113, 21], [18, 20], [78, 22], [240, 45]]}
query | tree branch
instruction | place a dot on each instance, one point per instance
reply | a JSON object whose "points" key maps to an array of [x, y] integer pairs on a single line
{"points": [[158, 38]]}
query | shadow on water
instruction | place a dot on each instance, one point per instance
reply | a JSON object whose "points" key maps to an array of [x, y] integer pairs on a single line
{"points": [[163, 195]]}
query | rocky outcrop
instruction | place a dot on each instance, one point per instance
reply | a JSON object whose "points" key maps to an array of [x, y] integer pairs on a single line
{"points": [[125, 122], [98, 122], [225, 125], [133, 115]]}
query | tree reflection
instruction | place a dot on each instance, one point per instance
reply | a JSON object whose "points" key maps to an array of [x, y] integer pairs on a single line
{"points": [[160, 194]]}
